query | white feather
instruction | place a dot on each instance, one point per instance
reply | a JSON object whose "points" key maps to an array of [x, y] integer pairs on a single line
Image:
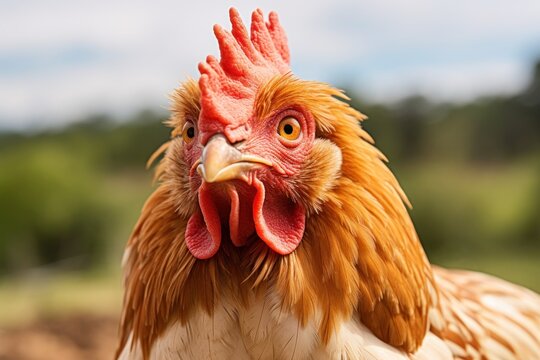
{"points": [[265, 331]]}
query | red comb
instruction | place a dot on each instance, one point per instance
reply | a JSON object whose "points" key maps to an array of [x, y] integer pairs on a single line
{"points": [[228, 87]]}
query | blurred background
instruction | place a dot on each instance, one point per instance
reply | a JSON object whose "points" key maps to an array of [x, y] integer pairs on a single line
{"points": [[452, 91]]}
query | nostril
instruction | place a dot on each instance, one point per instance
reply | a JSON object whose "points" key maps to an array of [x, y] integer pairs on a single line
{"points": [[237, 134], [238, 143]]}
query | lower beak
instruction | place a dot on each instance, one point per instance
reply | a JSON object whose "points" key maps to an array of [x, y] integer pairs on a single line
{"points": [[221, 161]]}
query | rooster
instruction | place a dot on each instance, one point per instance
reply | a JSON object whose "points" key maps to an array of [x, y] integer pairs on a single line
{"points": [[278, 232]]}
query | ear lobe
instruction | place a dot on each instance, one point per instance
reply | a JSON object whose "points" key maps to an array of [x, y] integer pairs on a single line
{"points": [[319, 173]]}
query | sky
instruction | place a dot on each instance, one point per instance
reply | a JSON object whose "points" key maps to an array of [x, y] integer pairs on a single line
{"points": [[61, 60]]}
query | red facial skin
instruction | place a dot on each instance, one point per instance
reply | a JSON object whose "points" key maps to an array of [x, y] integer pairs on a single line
{"points": [[258, 204], [252, 196]]}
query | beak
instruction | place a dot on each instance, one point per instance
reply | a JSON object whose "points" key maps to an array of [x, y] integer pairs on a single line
{"points": [[221, 161]]}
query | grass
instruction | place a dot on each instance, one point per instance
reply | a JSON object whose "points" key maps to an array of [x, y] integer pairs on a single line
{"points": [[24, 300], [500, 192]]}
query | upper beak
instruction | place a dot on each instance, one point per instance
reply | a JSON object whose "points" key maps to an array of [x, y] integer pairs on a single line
{"points": [[221, 161]]}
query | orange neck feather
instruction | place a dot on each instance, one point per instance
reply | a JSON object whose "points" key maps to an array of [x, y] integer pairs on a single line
{"points": [[360, 255]]}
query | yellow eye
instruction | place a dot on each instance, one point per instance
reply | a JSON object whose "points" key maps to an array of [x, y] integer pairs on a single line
{"points": [[188, 132], [289, 128]]}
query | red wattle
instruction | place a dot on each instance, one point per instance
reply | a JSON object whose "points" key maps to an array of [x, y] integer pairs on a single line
{"points": [[203, 231], [279, 222], [240, 219]]}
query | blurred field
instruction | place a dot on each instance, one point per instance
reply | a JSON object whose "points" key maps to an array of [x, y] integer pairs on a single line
{"points": [[83, 336], [70, 196]]}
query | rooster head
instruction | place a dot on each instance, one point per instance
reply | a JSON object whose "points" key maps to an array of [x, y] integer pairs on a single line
{"points": [[269, 183], [247, 146]]}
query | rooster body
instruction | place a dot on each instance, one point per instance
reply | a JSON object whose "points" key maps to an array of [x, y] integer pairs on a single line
{"points": [[278, 232]]}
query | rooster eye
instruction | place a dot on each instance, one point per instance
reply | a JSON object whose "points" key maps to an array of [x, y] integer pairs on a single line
{"points": [[289, 128], [188, 132]]}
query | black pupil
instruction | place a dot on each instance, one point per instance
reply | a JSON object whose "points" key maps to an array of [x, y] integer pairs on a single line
{"points": [[288, 129], [191, 132]]}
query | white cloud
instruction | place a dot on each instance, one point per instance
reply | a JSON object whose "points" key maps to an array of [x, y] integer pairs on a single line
{"points": [[460, 82], [455, 50]]}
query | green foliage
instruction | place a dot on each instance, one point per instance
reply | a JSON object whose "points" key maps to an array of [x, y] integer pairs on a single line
{"points": [[55, 205], [490, 130], [49, 209]]}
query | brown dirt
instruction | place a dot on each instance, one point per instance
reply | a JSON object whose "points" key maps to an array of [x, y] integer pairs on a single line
{"points": [[80, 336]]}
